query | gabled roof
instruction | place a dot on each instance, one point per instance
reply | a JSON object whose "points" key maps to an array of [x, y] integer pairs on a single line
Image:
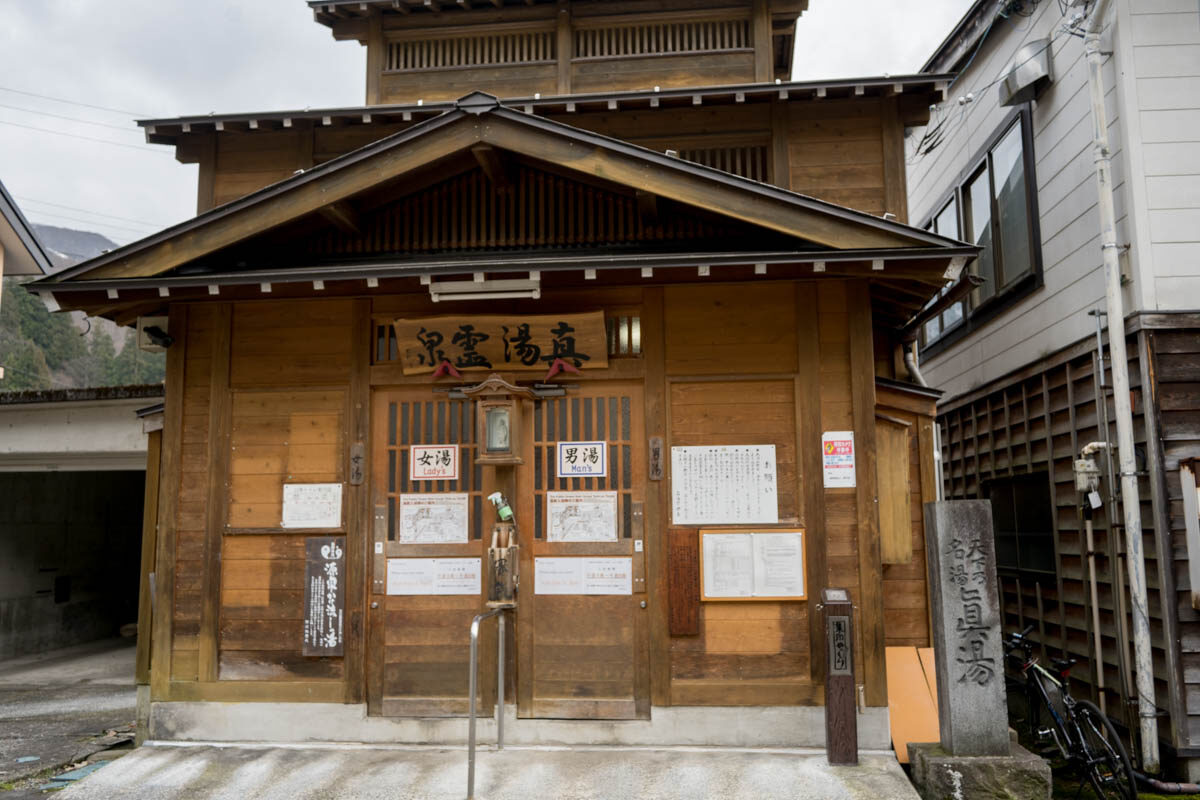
{"points": [[479, 118], [907, 265], [23, 255]]}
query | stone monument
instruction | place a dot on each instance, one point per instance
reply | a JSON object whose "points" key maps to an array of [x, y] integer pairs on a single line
{"points": [[975, 758]]}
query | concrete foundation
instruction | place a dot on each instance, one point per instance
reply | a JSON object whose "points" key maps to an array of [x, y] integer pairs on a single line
{"points": [[940, 776], [791, 726]]}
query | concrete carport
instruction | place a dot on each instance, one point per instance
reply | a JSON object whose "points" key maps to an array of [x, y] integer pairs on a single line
{"points": [[72, 477]]}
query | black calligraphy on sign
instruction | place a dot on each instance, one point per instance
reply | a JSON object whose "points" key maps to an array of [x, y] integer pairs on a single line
{"points": [[324, 595], [839, 646], [502, 342], [967, 562]]}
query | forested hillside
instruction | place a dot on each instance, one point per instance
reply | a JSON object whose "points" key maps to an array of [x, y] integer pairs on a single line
{"points": [[40, 350]]}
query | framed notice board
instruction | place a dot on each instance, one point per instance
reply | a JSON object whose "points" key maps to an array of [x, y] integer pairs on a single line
{"points": [[752, 565]]}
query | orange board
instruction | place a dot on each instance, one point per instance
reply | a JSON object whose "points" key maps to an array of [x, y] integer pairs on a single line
{"points": [[912, 698]]}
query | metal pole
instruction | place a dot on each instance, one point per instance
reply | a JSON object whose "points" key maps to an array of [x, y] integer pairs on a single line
{"points": [[1130, 501], [500, 683], [473, 683]]}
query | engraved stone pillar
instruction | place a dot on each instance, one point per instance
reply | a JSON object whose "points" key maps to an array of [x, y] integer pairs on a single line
{"points": [[960, 551]]}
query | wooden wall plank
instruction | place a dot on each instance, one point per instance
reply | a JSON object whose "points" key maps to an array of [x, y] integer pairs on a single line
{"points": [[895, 512]]}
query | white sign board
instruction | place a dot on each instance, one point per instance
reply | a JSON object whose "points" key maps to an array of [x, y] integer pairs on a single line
{"points": [[766, 565], [590, 575], [837, 459], [581, 516], [409, 576], [312, 505], [432, 518], [433, 462], [734, 484], [582, 459]]}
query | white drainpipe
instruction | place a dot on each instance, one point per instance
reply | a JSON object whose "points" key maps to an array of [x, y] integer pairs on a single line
{"points": [[1130, 503]]}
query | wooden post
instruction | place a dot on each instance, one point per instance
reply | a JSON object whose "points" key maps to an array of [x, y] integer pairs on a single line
{"points": [[149, 545], [764, 61], [841, 721], [564, 47]]}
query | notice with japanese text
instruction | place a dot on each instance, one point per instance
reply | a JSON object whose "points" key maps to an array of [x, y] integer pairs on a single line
{"points": [[432, 518], [766, 565], [582, 459], [733, 484], [837, 459], [581, 516], [595, 575], [433, 462], [312, 505], [413, 576]]}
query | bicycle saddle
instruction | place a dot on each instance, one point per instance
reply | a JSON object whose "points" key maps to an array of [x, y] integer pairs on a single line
{"points": [[1063, 664]]}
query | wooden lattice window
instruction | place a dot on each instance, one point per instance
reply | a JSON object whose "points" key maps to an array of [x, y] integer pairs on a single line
{"points": [[748, 162], [476, 50], [663, 38], [441, 421], [607, 418]]}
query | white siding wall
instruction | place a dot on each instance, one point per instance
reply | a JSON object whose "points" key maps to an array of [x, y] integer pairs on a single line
{"points": [[1056, 315], [1162, 42]]}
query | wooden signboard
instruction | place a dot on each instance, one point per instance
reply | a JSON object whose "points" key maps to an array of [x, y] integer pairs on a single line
{"points": [[324, 594], [683, 582], [502, 342], [752, 565]]}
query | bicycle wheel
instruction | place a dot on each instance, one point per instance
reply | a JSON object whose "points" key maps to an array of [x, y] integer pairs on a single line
{"points": [[1107, 768]]}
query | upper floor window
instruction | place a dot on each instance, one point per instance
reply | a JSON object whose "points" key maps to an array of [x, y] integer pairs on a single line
{"points": [[994, 205], [1023, 523]]}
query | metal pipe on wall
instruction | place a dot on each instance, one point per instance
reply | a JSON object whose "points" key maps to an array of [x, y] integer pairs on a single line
{"points": [[1130, 500]]}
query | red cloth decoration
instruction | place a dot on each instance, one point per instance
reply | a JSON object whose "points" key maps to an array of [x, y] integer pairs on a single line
{"points": [[557, 366], [444, 369]]}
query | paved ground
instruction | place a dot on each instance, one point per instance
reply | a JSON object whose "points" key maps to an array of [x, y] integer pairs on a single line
{"points": [[156, 772], [57, 706]]}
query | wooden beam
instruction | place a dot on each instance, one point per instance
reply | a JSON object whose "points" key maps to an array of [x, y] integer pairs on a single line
{"points": [[343, 217], [763, 60], [807, 399], [376, 52], [565, 46], [496, 166], [358, 504], [657, 567], [141, 668]]}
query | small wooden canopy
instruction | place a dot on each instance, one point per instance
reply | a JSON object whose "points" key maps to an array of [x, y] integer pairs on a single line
{"points": [[227, 245]]}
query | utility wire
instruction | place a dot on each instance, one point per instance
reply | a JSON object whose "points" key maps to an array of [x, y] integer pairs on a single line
{"points": [[87, 138], [94, 222], [88, 211], [125, 128], [72, 102]]}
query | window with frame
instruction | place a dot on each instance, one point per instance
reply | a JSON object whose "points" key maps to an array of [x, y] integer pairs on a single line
{"points": [[1023, 522], [993, 206]]}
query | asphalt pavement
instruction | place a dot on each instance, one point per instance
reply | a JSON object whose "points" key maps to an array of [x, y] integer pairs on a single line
{"points": [[57, 709]]}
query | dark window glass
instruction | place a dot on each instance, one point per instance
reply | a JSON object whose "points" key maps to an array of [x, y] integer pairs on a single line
{"points": [[979, 225], [1012, 209], [1023, 522]]}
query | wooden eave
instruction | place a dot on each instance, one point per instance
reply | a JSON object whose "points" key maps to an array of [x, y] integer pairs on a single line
{"points": [[918, 92]]}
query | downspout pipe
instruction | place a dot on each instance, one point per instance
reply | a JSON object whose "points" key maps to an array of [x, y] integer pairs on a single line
{"points": [[1130, 501]]}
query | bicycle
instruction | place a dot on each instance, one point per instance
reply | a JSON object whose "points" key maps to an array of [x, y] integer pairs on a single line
{"points": [[1085, 738]]}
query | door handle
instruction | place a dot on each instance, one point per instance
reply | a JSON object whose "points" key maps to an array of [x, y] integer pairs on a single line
{"points": [[643, 604], [375, 604]]}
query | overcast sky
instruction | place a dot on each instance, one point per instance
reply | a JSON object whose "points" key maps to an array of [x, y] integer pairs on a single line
{"points": [[161, 58]]}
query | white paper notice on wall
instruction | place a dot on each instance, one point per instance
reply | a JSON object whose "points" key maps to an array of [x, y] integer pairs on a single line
{"points": [[433, 518], [312, 505], [595, 575], [734, 484], [410, 576], [837, 459], [581, 516]]}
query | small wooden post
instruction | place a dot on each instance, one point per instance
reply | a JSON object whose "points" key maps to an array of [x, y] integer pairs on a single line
{"points": [[841, 722]]}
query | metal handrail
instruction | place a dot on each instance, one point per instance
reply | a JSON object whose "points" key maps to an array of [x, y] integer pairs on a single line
{"points": [[474, 687]]}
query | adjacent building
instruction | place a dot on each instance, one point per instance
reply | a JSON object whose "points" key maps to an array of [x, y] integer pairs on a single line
{"points": [[1007, 163]]}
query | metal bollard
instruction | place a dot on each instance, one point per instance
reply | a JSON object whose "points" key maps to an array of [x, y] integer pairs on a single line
{"points": [[473, 683]]}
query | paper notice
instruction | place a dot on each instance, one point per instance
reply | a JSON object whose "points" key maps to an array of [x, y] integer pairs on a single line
{"points": [[837, 459], [728, 565], [778, 565], [312, 505], [409, 576], [433, 518], [581, 516], [595, 575], [727, 485]]}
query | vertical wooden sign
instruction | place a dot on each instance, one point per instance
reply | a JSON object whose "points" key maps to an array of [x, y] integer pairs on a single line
{"points": [[683, 583], [841, 722], [324, 595]]}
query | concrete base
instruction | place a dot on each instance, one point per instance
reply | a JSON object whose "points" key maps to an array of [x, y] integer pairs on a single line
{"points": [[142, 727], [775, 726], [940, 776]]}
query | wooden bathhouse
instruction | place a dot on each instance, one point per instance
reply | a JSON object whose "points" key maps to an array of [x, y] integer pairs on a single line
{"points": [[599, 270]]}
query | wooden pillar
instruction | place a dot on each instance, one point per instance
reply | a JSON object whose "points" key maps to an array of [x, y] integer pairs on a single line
{"points": [[565, 47], [870, 564], [654, 357], [169, 466], [895, 192], [359, 518], [764, 61], [220, 418], [141, 668], [808, 456], [376, 58], [781, 168], [207, 179]]}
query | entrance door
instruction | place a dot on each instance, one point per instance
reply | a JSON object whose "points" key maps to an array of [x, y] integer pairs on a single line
{"points": [[579, 655], [419, 647], [584, 656]]}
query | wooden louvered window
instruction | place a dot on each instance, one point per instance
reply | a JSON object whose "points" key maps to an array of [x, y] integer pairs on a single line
{"points": [[663, 38], [496, 48]]}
